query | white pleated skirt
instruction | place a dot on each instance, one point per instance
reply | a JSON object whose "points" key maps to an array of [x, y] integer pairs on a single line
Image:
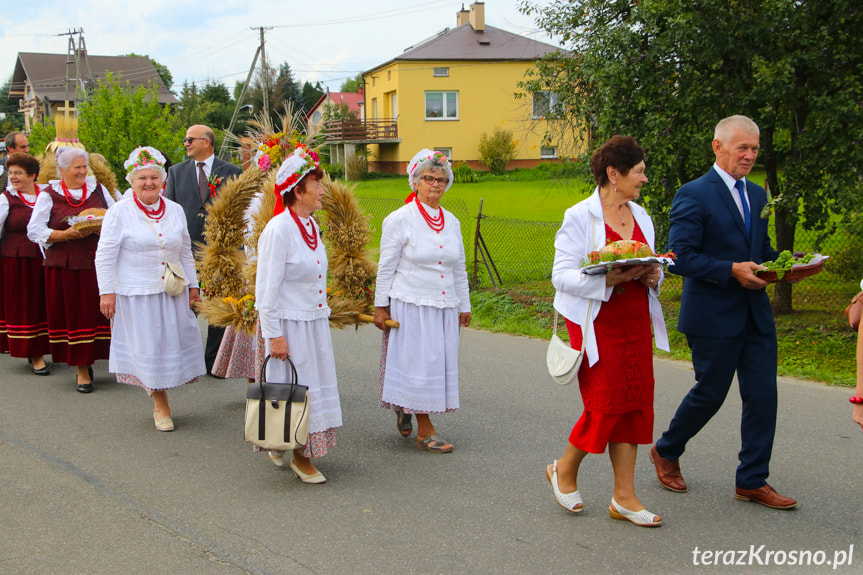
{"points": [[156, 338], [422, 359], [311, 349]]}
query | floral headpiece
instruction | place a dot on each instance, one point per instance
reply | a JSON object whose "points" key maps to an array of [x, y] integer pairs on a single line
{"points": [[144, 158], [423, 156], [293, 169], [273, 148]]}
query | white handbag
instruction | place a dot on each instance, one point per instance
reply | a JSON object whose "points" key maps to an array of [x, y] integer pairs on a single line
{"points": [[277, 414], [174, 283], [562, 361]]}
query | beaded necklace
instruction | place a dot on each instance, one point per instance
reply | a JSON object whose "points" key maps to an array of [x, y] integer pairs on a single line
{"points": [[21, 196], [153, 215], [311, 238], [69, 196], [436, 223]]}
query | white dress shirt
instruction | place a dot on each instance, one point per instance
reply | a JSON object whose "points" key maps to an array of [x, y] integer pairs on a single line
{"points": [[208, 166], [420, 266], [735, 195], [129, 260], [291, 280]]}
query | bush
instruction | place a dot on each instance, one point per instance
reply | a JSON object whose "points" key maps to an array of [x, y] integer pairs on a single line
{"points": [[497, 151], [336, 171], [462, 173], [357, 167], [847, 262]]}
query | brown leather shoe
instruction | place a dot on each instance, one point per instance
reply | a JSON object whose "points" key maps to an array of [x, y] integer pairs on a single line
{"points": [[765, 495], [667, 472]]}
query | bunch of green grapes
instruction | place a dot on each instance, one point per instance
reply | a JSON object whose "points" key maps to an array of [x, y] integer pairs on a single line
{"points": [[786, 259]]}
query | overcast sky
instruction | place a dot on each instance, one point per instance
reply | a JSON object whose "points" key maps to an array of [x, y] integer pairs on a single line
{"points": [[325, 40]]}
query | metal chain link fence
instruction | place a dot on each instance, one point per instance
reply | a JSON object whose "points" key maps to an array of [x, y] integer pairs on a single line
{"points": [[514, 251]]}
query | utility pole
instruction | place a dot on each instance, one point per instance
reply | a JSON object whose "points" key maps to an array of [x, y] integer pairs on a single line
{"points": [[266, 110], [264, 74]]}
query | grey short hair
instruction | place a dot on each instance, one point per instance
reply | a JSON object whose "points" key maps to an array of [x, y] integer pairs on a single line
{"points": [[726, 126], [66, 154], [10, 139], [433, 163]]}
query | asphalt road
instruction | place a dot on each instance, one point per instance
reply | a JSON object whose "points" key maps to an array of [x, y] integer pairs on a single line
{"points": [[87, 485]]}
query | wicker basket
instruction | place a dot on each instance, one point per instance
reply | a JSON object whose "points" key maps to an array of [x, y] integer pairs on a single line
{"points": [[93, 224]]}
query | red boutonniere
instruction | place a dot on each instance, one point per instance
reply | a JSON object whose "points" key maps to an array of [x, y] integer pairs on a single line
{"points": [[214, 182]]}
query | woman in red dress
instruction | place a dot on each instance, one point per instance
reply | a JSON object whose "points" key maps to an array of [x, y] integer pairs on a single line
{"points": [[23, 293], [78, 331], [610, 315]]}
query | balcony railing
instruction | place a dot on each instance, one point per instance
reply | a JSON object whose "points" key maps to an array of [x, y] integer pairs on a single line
{"points": [[361, 130]]}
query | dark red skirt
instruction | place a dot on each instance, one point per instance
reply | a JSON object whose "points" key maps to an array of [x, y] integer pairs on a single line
{"points": [[23, 307], [78, 331]]}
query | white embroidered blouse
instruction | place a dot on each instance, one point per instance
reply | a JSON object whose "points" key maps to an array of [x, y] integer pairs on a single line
{"points": [[420, 266]]}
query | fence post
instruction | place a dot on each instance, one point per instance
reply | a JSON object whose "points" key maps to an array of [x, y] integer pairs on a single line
{"points": [[476, 248]]}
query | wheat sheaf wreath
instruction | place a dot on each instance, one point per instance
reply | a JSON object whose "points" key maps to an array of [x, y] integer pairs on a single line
{"points": [[227, 271]]}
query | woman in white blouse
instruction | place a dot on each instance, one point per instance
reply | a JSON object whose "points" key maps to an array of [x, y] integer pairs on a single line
{"points": [[291, 299], [22, 297], [422, 284], [79, 333], [156, 343]]}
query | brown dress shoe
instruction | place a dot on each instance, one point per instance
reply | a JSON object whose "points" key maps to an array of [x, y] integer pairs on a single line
{"points": [[765, 495], [667, 472]]}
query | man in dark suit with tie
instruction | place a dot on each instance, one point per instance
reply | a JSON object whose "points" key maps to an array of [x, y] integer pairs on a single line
{"points": [[720, 241], [189, 185], [15, 142]]}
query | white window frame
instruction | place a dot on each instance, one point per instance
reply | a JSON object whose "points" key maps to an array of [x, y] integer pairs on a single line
{"points": [[446, 152], [546, 155], [551, 103], [446, 95], [440, 72]]}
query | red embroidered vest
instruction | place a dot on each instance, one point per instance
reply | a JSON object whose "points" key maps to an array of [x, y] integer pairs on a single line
{"points": [[77, 254], [15, 243]]}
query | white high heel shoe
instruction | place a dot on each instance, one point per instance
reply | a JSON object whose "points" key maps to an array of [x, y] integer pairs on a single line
{"points": [[315, 478], [643, 518]]}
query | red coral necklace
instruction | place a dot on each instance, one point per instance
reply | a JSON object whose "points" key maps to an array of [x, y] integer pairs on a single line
{"points": [[69, 196], [21, 196], [437, 223], [153, 215], [311, 238]]}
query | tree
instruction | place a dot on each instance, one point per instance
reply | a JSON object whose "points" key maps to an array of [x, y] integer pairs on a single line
{"points": [[311, 94], [116, 119], [162, 70], [14, 120], [665, 71], [280, 88], [287, 89], [352, 84]]}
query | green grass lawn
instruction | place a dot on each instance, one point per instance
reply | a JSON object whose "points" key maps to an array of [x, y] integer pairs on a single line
{"points": [[814, 341], [542, 201]]}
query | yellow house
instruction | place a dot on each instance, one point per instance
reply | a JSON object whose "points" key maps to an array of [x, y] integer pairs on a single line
{"points": [[446, 91]]}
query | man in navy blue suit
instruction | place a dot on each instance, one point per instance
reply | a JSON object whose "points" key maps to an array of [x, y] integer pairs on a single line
{"points": [[720, 241]]}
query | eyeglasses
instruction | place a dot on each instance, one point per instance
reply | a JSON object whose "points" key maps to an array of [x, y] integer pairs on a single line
{"points": [[431, 180], [17, 173], [190, 140]]}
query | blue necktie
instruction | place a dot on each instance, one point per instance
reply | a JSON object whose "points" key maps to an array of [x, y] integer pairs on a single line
{"points": [[747, 221]]}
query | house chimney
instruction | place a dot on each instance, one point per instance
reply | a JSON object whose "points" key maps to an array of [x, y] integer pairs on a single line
{"points": [[477, 16], [462, 17]]}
